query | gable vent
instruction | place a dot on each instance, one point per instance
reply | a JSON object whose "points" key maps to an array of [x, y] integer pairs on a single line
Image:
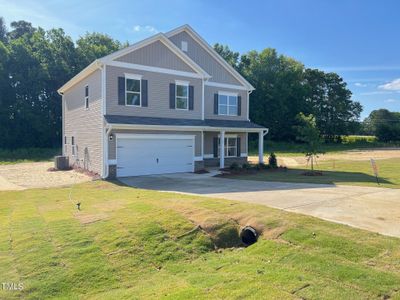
{"points": [[184, 46]]}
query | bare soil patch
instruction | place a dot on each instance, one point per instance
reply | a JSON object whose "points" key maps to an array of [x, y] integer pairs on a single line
{"points": [[36, 175]]}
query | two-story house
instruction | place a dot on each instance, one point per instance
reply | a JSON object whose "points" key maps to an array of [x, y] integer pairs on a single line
{"points": [[166, 104]]}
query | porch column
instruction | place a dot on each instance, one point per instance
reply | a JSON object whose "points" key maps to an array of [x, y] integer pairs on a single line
{"points": [[222, 150], [261, 147]]}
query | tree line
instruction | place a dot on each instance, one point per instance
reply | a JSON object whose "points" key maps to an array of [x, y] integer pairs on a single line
{"points": [[35, 62]]}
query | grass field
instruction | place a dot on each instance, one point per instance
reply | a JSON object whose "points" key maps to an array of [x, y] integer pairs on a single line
{"points": [[295, 149], [27, 155], [128, 243], [338, 171]]}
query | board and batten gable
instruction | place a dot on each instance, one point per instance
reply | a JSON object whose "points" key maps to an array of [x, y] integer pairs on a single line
{"points": [[201, 57], [156, 55], [85, 125], [158, 97]]}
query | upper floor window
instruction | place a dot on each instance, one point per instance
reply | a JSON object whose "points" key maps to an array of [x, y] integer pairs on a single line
{"points": [[181, 95], [86, 96], [133, 88], [227, 104]]}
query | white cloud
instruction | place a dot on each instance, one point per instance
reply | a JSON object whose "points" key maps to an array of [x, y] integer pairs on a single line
{"points": [[145, 29], [379, 93], [358, 68], [359, 84], [391, 100], [391, 86]]}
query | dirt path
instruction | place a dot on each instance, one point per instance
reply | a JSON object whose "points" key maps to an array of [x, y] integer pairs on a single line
{"points": [[35, 175]]}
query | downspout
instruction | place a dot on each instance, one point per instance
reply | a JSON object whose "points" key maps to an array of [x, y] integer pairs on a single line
{"points": [[248, 104], [105, 145]]}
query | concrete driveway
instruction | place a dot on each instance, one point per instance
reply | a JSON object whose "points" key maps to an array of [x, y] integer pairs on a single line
{"points": [[374, 209]]}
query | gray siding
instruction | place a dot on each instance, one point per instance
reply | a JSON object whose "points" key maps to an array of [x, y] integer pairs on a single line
{"points": [[112, 144], [158, 95], [85, 125], [156, 55], [209, 92], [198, 54], [209, 141]]}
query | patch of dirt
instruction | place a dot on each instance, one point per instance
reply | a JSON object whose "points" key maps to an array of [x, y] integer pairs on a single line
{"points": [[90, 218], [36, 175]]}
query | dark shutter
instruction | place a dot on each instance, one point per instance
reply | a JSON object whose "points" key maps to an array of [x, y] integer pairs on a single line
{"points": [[238, 147], [121, 90], [145, 102], [215, 104], [172, 95], [191, 95], [239, 105], [215, 147]]}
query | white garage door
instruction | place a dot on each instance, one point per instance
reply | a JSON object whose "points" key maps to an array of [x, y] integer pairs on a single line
{"points": [[142, 154]]}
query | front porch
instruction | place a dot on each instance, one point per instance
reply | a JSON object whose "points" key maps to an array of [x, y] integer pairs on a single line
{"points": [[223, 148]]}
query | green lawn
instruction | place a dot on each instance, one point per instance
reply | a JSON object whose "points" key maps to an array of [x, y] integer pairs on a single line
{"points": [[346, 172], [8, 156], [296, 149], [128, 243]]}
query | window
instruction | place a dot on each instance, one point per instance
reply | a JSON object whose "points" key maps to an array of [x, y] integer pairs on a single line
{"points": [[133, 90], [65, 140], [65, 145], [227, 104], [86, 97], [73, 145], [184, 46], [181, 95], [230, 146]]}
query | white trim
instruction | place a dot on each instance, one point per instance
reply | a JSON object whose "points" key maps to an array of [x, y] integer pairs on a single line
{"points": [[226, 86], [230, 135], [243, 154], [182, 82], [81, 75], [202, 99], [208, 156], [154, 136], [202, 143], [198, 158], [184, 128], [211, 51], [133, 77], [112, 161], [153, 69], [224, 93]]}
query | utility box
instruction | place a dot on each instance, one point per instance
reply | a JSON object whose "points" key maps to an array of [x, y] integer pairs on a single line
{"points": [[61, 162]]}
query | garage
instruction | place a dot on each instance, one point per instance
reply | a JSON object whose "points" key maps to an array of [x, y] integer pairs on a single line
{"points": [[147, 154]]}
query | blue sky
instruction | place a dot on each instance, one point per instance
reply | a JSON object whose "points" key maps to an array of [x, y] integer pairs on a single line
{"points": [[357, 39]]}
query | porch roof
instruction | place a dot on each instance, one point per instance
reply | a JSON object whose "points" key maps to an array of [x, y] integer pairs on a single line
{"points": [[201, 124]]}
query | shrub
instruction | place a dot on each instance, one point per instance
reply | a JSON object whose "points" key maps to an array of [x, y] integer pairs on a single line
{"points": [[234, 166], [246, 166], [272, 161], [260, 166]]}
